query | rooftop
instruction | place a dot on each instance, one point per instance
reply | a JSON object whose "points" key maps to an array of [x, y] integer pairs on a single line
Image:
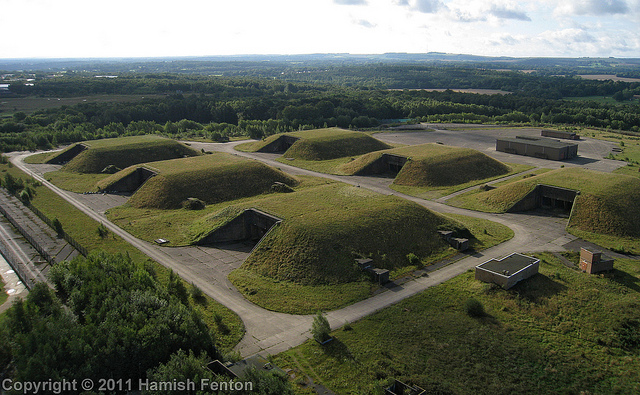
{"points": [[538, 141], [509, 265]]}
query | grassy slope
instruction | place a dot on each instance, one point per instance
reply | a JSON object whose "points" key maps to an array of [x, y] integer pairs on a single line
{"points": [[323, 144], [124, 152], [84, 230], [550, 334], [434, 165], [325, 225], [212, 178], [608, 203]]}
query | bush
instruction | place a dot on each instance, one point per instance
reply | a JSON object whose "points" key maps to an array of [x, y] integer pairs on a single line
{"points": [[320, 328], [57, 226], [193, 204], [474, 308], [413, 259]]}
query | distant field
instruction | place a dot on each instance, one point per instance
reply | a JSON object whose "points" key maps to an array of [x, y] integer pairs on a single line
{"points": [[10, 105], [478, 91], [605, 77]]}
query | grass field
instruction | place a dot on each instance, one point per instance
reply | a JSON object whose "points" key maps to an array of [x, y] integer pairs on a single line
{"points": [[10, 105], [3, 293], [553, 333], [123, 152], [85, 231]]}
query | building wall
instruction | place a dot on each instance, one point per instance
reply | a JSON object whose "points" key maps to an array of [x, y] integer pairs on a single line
{"points": [[526, 148], [527, 272]]}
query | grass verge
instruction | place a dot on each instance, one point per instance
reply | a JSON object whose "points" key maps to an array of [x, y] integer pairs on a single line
{"points": [[287, 297]]}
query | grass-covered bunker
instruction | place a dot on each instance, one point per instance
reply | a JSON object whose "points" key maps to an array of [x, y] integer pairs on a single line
{"points": [[97, 155], [428, 165], [320, 144], [211, 178], [325, 227]]}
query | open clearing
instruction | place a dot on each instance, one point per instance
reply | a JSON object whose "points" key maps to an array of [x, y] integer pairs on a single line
{"points": [[607, 77], [9, 105]]}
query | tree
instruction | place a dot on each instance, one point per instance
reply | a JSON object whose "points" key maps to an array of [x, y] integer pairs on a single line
{"points": [[320, 328]]}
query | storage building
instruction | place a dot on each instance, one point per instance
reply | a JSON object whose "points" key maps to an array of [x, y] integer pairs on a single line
{"points": [[538, 147]]}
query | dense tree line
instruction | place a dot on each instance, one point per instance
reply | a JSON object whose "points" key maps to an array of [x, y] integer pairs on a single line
{"points": [[226, 107], [111, 318]]}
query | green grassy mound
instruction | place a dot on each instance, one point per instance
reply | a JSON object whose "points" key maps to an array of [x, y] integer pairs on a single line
{"points": [[607, 204], [435, 165], [124, 152], [326, 227], [324, 144], [210, 178]]}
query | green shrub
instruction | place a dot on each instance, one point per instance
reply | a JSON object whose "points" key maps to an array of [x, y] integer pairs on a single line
{"points": [[320, 328], [474, 308]]}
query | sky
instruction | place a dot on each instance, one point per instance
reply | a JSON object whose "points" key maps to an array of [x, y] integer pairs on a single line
{"points": [[142, 28]]}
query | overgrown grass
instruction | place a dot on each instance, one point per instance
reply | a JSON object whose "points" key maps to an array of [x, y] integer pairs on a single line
{"points": [[3, 293], [211, 178], [75, 182], [607, 204], [84, 229], [123, 152], [292, 298], [553, 333]]}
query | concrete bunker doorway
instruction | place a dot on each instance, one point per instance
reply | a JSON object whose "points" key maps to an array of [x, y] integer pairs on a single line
{"points": [[280, 145], [547, 198], [250, 227], [130, 183], [386, 164]]}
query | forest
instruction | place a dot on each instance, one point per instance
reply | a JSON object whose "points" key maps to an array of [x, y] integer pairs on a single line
{"points": [[356, 96]]}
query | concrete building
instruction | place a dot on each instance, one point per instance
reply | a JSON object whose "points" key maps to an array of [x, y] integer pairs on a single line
{"points": [[559, 134], [538, 147], [594, 262], [506, 272]]}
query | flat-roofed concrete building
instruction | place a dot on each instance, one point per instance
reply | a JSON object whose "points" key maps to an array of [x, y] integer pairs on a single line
{"points": [[506, 272], [560, 134], [537, 147]]}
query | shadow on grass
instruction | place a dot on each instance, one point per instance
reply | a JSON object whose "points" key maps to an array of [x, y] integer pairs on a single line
{"points": [[338, 350], [625, 279], [538, 288]]}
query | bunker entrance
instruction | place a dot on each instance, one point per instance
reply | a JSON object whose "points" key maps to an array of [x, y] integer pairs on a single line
{"points": [[131, 182], [280, 145], [386, 164], [549, 198], [250, 226]]}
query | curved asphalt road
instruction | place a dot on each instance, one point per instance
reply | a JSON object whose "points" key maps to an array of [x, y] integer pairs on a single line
{"points": [[269, 332]]}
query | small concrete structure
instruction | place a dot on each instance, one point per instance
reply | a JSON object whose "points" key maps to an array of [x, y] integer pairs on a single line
{"points": [[506, 272], [381, 276], [237, 369], [538, 147], [458, 243], [400, 388], [594, 262], [560, 134]]}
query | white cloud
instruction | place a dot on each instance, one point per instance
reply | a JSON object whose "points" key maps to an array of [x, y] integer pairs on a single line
{"points": [[350, 2], [508, 13], [593, 7]]}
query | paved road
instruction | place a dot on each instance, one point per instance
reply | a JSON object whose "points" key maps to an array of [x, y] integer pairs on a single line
{"points": [[269, 332]]}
